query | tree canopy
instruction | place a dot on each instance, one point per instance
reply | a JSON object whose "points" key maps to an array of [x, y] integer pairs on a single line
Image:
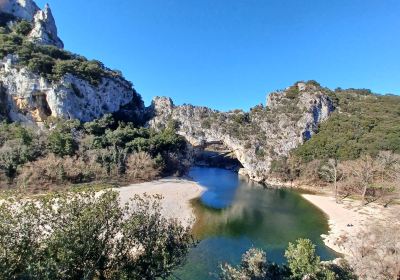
{"points": [[89, 236]]}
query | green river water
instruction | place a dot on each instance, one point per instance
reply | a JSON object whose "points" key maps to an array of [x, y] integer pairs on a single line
{"points": [[233, 215]]}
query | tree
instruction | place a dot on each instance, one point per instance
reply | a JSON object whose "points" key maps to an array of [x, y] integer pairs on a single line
{"points": [[23, 27], [329, 171], [51, 172], [360, 174], [388, 169], [375, 251], [99, 126], [61, 143], [254, 266], [89, 236], [302, 264], [140, 166], [14, 153], [302, 259]]}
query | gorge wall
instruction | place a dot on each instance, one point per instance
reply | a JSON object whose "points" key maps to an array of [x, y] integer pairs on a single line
{"points": [[256, 138]]}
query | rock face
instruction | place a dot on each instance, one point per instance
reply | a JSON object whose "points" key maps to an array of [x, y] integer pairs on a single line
{"points": [[24, 9], [44, 30], [44, 27], [31, 98], [255, 138]]}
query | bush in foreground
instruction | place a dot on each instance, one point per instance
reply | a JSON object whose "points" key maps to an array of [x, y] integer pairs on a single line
{"points": [[302, 264], [89, 236]]}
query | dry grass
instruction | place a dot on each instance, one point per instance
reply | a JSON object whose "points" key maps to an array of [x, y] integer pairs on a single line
{"points": [[51, 171], [141, 167], [376, 253]]}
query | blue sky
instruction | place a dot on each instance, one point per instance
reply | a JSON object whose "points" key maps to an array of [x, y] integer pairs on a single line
{"points": [[229, 54]]}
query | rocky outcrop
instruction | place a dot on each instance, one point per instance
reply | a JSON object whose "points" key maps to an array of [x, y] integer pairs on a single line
{"points": [[255, 138], [28, 96], [23, 9], [31, 98], [44, 29]]}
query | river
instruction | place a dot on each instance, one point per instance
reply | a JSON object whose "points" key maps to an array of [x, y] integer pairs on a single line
{"points": [[234, 215]]}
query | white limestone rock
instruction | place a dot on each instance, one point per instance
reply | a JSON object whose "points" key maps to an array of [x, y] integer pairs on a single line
{"points": [[44, 29], [24, 9], [267, 134], [32, 99]]}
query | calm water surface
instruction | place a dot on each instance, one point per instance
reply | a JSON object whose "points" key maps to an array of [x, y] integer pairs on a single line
{"points": [[233, 215]]}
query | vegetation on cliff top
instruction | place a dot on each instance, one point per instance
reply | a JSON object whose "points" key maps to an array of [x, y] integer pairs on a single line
{"points": [[49, 61]]}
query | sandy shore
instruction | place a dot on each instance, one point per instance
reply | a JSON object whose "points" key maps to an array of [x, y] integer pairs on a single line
{"points": [[176, 192], [348, 219]]}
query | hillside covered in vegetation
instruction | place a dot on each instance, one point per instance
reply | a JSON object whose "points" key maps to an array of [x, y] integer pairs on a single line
{"points": [[357, 149], [364, 123]]}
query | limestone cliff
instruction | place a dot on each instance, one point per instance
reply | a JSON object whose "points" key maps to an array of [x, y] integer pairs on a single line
{"points": [[24, 9], [255, 138], [38, 81], [32, 98], [44, 29]]}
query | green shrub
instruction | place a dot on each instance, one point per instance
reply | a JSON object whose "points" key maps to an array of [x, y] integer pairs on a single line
{"points": [[302, 263], [206, 124], [260, 153], [61, 143], [365, 124], [241, 118], [98, 127], [23, 27], [293, 92], [89, 235], [41, 64], [313, 83], [92, 71], [18, 145]]}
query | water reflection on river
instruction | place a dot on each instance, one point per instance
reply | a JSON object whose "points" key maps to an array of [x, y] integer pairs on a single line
{"points": [[234, 215]]}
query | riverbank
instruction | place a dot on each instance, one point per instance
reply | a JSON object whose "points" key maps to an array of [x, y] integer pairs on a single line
{"points": [[176, 192], [348, 219]]}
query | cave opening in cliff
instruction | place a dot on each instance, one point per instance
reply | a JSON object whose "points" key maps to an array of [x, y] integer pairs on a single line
{"points": [[41, 104], [216, 154]]}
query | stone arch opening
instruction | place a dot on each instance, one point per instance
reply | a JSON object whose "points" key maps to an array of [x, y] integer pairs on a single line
{"points": [[216, 154]]}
